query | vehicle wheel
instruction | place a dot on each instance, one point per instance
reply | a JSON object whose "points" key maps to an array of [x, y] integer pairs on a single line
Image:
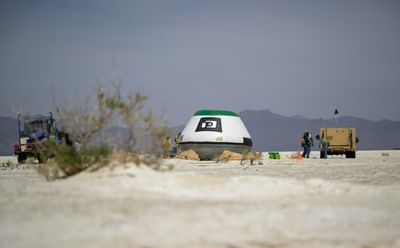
{"points": [[350, 154], [321, 154], [41, 159], [21, 159]]}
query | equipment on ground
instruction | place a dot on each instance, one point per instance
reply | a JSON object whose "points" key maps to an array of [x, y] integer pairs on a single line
{"points": [[210, 132], [342, 141], [34, 132]]}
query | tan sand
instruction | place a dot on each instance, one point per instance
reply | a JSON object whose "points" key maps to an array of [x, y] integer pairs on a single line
{"points": [[283, 203]]}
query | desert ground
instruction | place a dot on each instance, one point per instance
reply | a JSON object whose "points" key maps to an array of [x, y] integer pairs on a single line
{"points": [[336, 202]]}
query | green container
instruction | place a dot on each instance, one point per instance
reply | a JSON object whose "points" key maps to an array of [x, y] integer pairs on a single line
{"points": [[274, 155]]}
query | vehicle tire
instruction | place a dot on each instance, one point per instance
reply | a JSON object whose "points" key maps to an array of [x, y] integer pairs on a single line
{"points": [[21, 159], [321, 154], [41, 159], [350, 154]]}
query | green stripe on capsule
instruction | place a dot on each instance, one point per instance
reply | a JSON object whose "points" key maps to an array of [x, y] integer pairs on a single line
{"points": [[215, 112]]}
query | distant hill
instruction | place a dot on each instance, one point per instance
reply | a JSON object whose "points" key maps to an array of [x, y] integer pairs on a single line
{"points": [[270, 131], [274, 132]]}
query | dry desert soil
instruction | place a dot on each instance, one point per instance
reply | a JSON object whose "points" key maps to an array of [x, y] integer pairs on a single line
{"points": [[336, 202]]}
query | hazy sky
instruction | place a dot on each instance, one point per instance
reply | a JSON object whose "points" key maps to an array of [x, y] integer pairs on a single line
{"points": [[292, 57]]}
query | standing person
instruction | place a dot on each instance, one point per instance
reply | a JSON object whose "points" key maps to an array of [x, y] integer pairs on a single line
{"points": [[176, 144], [307, 141], [166, 147], [324, 144]]}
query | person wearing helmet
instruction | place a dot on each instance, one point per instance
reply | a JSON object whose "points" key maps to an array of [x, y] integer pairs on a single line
{"points": [[306, 142]]}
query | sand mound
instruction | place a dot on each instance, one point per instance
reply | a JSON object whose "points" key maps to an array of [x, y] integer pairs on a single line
{"points": [[124, 157], [189, 154], [228, 155]]}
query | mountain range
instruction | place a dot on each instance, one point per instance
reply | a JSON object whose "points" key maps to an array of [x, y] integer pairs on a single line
{"points": [[269, 131], [272, 131]]}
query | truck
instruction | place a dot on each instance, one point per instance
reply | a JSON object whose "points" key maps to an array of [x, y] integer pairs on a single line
{"points": [[34, 132], [342, 141]]}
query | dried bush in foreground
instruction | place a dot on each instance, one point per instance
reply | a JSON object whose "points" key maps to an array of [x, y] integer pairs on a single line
{"points": [[72, 161], [83, 124]]}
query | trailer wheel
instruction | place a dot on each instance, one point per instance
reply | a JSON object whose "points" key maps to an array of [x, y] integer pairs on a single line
{"points": [[21, 159], [41, 159]]}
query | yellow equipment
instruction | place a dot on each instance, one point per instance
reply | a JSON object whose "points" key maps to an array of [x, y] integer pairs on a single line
{"points": [[342, 140]]}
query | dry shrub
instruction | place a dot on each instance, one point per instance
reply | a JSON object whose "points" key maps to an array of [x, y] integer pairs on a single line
{"points": [[252, 156], [83, 123], [69, 161]]}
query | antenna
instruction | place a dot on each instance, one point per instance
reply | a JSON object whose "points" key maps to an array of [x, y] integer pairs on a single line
{"points": [[336, 113]]}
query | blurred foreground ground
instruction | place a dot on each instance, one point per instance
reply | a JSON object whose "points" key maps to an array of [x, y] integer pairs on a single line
{"points": [[283, 203]]}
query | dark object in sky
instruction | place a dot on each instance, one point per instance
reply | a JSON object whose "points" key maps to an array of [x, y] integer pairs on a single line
{"points": [[336, 112]]}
